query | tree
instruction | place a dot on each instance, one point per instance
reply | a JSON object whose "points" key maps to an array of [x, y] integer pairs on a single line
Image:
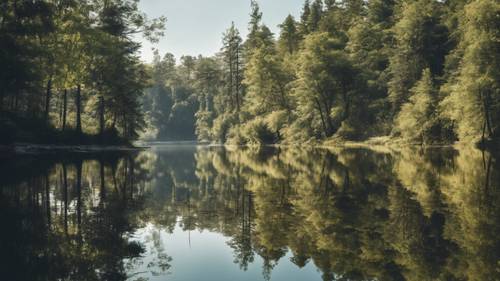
{"points": [[232, 54], [289, 40], [62, 58], [208, 85], [254, 27], [267, 83], [304, 18], [420, 43], [315, 16], [268, 91], [325, 87], [121, 96], [381, 12], [416, 118], [474, 98]]}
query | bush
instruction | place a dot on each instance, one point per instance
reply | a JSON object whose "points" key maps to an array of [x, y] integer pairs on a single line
{"points": [[221, 126], [257, 132]]}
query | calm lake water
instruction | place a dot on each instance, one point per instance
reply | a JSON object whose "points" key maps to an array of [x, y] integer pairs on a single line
{"points": [[211, 213]]}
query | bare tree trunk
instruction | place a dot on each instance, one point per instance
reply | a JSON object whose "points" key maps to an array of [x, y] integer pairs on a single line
{"points": [[79, 109], [231, 75], [101, 116], [323, 122], [47, 99], [486, 109], [65, 109], [347, 105], [238, 83], [483, 138]]}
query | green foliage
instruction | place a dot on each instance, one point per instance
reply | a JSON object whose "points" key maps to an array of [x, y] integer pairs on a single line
{"points": [[170, 104], [289, 40], [266, 83], [75, 61], [257, 132], [325, 87], [420, 43], [221, 127], [425, 71], [474, 88], [415, 118], [353, 70]]}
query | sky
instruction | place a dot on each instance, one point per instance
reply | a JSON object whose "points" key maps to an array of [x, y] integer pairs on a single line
{"points": [[195, 26]]}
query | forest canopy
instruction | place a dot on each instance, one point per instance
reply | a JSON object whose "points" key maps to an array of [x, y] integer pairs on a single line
{"points": [[419, 71], [70, 69], [423, 71]]}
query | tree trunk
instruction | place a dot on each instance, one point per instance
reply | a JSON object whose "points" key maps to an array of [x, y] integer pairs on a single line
{"points": [[231, 76], [325, 129], [486, 109], [101, 116], [79, 109], [483, 138], [237, 83], [347, 104], [47, 99], [65, 109]]}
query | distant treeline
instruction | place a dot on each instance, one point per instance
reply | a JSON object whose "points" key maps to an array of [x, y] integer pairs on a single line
{"points": [[423, 71], [72, 66]]}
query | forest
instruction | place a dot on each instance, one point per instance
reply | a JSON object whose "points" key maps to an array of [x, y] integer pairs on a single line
{"points": [[418, 72], [70, 70]]}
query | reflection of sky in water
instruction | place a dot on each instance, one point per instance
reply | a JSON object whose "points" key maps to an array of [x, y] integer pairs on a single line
{"points": [[205, 255]]}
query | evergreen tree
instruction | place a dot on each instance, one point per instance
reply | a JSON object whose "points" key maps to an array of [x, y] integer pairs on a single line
{"points": [[315, 16], [381, 12], [208, 86], [416, 118], [289, 37], [474, 99], [420, 43], [304, 18], [254, 28]]}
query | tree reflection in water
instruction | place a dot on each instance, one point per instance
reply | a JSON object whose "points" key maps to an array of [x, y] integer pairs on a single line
{"points": [[355, 214]]}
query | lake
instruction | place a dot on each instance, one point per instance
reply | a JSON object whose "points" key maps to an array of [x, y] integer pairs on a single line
{"points": [[186, 212]]}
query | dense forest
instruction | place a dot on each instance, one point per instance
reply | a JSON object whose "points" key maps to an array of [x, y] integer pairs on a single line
{"points": [[422, 71], [70, 70]]}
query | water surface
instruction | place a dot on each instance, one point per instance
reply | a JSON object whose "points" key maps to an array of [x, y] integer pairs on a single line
{"points": [[182, 212]]}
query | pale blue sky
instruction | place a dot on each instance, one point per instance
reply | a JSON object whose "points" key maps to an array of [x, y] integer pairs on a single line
{"points": [[195, 26]]}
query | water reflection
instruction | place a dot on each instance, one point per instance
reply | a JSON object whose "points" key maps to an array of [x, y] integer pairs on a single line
{"points": [[352, 214]]}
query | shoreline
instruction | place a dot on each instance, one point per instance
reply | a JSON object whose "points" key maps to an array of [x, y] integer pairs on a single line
{"points": [[32, 148], [376, 143]]}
